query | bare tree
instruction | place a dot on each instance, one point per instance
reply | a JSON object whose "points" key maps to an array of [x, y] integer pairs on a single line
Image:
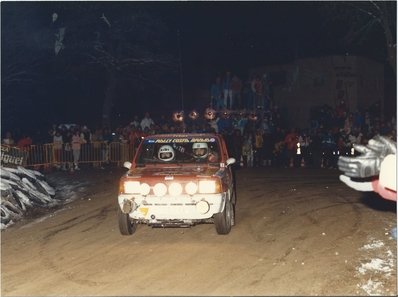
{"points": [[364, 22], [125, 42]]}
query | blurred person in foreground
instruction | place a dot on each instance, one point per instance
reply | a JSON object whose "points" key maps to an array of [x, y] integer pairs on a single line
{"points": [[377, 162], [375, 169]]}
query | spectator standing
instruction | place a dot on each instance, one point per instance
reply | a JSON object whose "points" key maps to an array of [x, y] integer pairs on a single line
{"points": [[51, 133], [247, 95], [86, 136], [328, 146], [97, 141], [348, 123], [77, 142], [277, 117], [224, 124], [267, 148], [162, 121], [236, 86], [236, 147], [358, 120], [291, 140], [253, 88], [107, 139], [8, 140], [304, 140], [242, 122], [257, 92], [146, 122], [247, 150], [341, 112], [124, 146], [258, 147], [278, 137], [67, 138], [315, 158], [24, 142], [213, 123], [57, 148], [227, 87], [265, 125], [216, 94], [136, 122], [258, 86], [63, 130]]}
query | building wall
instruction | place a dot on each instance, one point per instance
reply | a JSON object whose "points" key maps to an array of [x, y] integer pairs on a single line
{"points": [[325, 80], [371, 83]]}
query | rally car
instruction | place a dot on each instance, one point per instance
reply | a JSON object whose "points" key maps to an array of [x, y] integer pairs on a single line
{"points": [[178, 180]]}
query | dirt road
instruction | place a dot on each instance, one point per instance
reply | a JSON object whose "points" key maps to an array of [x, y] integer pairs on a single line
{"points": [[298, 232]]}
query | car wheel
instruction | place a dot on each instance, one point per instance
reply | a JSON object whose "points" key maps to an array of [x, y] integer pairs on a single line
{"points": [[223, 220], [233, 209], [126, 226]]}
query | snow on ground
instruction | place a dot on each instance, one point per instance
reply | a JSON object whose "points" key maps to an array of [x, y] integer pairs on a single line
{"points": [[24, 189], [377, 265]]}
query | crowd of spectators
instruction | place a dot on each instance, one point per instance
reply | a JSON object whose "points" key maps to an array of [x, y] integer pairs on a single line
{"points": [[254, 138]]}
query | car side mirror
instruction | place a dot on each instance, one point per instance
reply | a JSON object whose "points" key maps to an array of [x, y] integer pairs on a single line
{"points": [[230, 161], [127, 164]]}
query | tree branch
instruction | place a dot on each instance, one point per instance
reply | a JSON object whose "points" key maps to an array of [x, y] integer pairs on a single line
{"points": [[364, 11]]}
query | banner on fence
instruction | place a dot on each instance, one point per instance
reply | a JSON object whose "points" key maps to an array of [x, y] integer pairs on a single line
{"points": [[12, 156]]}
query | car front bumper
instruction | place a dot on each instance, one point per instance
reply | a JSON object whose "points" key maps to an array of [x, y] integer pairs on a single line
{"points": [[187, 208]]}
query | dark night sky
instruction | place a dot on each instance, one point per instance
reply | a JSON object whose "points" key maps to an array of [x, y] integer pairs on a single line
{"points": [[244, 34], [215, 36], [238, 35]]}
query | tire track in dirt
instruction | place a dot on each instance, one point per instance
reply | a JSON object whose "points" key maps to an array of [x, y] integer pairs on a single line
{"points": [[283, 190], [98, 216]]}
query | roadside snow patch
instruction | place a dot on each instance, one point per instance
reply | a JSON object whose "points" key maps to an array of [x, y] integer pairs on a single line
{"points": [[372, 288], [374, 245], [376, 272], [377, 265], [22, 189]]}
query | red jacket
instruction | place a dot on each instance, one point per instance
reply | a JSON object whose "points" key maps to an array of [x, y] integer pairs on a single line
{"points": [[24, 142], [291, 140]]}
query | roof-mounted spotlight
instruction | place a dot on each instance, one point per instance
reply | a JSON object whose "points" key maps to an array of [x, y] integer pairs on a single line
{"points": [[178, 116], [193, 115], [210, 114]]}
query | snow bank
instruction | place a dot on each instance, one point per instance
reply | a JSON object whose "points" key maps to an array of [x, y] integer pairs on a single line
{"points": [[22, 189]]}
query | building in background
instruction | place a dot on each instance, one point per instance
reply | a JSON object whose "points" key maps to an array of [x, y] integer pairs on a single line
{"points": [[312, 82]]}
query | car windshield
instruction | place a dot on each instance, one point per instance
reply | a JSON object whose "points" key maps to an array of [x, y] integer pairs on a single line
{"points": [[178, 151]]}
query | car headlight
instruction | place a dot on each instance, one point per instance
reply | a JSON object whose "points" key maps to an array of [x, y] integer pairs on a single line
{"points": [[191, 188], [175, 189], [208, 187], [132, 187], [160, 189], [145, 189]]}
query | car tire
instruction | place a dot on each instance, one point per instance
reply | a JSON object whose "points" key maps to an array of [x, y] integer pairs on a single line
{"points": [[234, 207], [126, 226], [223, 220]]}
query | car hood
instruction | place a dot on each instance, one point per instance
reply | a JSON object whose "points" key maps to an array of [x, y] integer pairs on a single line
{"points": [[194, 171]]}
